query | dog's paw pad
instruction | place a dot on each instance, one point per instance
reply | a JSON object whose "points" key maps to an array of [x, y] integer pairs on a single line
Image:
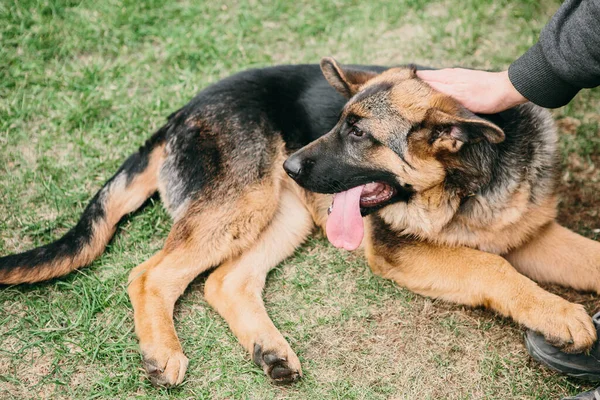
{"points": [[275, 366]]}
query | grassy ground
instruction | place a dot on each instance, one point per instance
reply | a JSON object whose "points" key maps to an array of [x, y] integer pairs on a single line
{"points": [[83, 83]]}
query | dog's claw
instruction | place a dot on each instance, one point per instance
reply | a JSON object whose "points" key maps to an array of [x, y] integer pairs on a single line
{"points": [[171, 374], [152, 369]]}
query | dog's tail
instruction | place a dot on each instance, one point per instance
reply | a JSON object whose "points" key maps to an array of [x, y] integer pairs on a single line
{"points": [[135, 182]]}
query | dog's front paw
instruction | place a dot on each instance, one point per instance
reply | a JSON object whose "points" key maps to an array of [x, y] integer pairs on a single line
{"points": [[164, 367], [568, 327], [281, 367]]}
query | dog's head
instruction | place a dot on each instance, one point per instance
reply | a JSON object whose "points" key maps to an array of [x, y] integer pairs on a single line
{"points": [[395, 136]]}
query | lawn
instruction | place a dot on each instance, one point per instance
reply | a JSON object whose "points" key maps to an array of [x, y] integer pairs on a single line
{"points": [[82, 84]]}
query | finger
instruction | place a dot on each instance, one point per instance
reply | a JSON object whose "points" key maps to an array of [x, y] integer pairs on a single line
{"points": [[458, 95], [440, 75], [446, 75], [443, 88]]}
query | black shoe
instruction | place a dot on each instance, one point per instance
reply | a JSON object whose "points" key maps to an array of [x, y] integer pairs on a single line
{"points": [[583, 366], [591, 395]]}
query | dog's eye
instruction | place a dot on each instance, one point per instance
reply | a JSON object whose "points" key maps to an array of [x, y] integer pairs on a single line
{"points": [[354, 131]]}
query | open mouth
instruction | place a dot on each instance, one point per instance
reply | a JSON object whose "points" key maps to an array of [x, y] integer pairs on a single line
{"points": [[345, 225], [372, 195], [376, 193]]}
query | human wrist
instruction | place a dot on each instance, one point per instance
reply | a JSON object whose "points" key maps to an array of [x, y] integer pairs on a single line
{"points": [[510, 95]]}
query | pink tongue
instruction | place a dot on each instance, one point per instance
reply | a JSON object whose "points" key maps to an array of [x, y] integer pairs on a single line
{"points": [[344, 224]]}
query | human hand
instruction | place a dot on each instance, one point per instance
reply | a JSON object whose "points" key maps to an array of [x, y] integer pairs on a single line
{"points": [[479, 91]]}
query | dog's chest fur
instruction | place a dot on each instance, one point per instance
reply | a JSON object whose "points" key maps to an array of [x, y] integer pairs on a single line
{"points": [[484, 225]]}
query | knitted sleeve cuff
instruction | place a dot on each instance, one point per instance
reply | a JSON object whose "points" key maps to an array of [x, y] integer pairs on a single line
{"points": [[533, 77]]}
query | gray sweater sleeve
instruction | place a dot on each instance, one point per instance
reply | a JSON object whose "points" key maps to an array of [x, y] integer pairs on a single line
{"points": [[565, 59]]}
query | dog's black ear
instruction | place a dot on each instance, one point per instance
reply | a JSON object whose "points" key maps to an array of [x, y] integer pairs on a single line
{"points": [[451, 131], [346, 81]]}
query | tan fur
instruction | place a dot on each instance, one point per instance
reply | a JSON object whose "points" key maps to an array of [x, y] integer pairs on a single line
{"points": [[476, 278], [432, 216], [235, 288], [126, 197], [120, 198], [206, 236], [153, 289], [317, 204], [345, 81], [428, 245], [557, 255], [422, 174], [425, 244]]}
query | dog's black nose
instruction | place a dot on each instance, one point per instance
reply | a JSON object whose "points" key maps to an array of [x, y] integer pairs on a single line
{"points": [[293, 166]]}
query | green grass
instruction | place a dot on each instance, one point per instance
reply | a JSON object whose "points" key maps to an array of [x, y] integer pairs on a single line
{"points": [[82, 84]]}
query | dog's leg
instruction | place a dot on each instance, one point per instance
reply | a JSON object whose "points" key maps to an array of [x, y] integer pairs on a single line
{"points": [[235, 290], [475, 278], [206, 236], [558, 255], [153, 289]]}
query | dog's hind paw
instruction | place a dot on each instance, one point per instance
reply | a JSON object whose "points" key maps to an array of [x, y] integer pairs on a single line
{"points": [[166, 371], [281, 369]]}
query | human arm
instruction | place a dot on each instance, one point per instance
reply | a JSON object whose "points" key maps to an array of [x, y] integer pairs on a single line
{"points": [[565, 60]]}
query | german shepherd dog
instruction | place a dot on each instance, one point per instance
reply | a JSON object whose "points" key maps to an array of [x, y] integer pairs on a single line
{"points": [[446, 203]]}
